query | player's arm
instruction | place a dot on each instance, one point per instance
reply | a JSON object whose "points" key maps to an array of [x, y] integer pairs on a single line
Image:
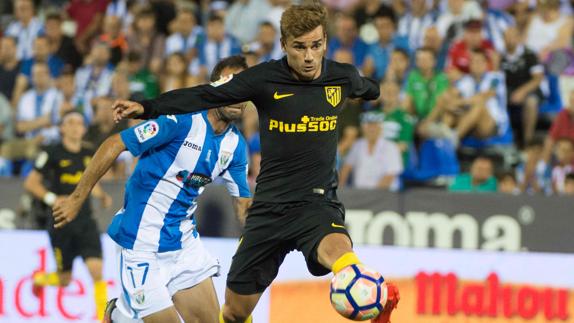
{"points": [[240, 206], [235, 177], [66, 211], [228, 90], [362, 87], [137, 140], [34, 181]]}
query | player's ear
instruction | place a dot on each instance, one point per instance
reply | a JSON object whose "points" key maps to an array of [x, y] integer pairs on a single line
{"points": [[283, 45]]}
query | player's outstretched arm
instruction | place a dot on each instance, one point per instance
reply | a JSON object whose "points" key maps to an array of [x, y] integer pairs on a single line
{"points": [[66, 210]]}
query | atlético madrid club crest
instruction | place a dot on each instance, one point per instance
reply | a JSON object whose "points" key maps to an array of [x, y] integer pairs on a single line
{"points": [[333, 95]]}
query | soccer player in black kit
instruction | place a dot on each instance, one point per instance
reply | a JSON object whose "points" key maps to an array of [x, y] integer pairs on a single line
{"points": [[295, 206], [56, 172]]}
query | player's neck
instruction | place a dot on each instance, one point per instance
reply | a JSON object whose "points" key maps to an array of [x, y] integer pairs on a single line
{"points": [[72, 145], [219, 126]]}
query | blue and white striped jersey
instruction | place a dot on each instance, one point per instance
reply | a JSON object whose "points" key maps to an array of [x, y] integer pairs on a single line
{"points": [[179, 155]]}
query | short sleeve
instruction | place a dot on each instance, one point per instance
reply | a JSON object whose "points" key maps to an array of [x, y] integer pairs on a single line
{"points": [[43, 162], [235, 175], [150, 134]]}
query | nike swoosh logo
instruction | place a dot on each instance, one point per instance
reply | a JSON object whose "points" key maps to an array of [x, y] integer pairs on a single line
{"points": [[335, 225], [278, 96]]}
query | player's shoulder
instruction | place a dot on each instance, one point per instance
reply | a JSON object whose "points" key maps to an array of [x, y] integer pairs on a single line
{"points": [[337, 68], [241, 141], [88, 148], [53, 149]]}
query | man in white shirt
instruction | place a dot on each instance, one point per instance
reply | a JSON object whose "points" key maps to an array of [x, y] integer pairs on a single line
{"points": [[374, 161], [25, 29], [38, 109]]}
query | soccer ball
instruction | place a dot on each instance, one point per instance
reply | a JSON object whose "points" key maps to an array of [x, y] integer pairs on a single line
{"points": [[358, 292]]}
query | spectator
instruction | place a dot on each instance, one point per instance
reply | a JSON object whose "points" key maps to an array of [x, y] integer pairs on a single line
{"points": [[398, 68], [210, 50], [267, 46], [496, 22], [145, 40], [562, 127], [374, 161], [398, 125], [115, 38], [94, 79], [480, 178], [424, 84], [520, 10], [89, 16], [275, 12], [507, 183], [433, 41], [569, 185], [243, 18], [9, 67], [174, 75], [25, 29], [460, 52], [450, 24], [6, 120], [61, 46], [347, 37], [367, 10], [121, 87], [123, 10], [564, 164], [379, 53], [532, 174], [476, 105], [185, 36], [42, 54], [66, 86], [413, 24], [523, 76], [103, 124], [37, 115], [548, 29], [141, 79]]}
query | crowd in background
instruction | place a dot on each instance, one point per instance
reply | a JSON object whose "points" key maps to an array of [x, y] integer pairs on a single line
{"points": [[477, 95]]}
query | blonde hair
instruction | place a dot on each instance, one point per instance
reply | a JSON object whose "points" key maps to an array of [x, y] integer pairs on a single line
{"points": [[298, 20]]}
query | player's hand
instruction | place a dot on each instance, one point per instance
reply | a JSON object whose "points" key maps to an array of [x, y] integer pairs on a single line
{"points": [[65, 210], [106, 201], [123, 109]]}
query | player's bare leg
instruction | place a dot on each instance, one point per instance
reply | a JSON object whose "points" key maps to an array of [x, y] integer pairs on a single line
{"points": [[237, 307], [335, 251], [95, 266], [198, 304], [168, 315]]}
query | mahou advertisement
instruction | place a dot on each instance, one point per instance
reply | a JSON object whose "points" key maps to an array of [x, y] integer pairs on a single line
{"points": [[436, 286]]}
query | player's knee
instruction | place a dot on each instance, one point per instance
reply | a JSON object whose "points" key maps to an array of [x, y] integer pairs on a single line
{"points": [[234, 314]]}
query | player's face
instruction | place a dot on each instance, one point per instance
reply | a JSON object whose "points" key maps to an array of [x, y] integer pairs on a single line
{"points": [[73, 127], [305, 53], [235, 111]]}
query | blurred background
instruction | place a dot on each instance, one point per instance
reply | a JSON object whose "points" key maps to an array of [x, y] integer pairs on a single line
{"points": [[469, 150]]}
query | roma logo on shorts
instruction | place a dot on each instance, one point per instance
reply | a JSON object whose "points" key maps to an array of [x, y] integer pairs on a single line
{"points": [[333, 95]]}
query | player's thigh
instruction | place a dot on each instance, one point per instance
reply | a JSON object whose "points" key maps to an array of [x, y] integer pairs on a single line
{"points": [[325, 237], [143, 284], [168, 315], [260, 253], [198, 304]]}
